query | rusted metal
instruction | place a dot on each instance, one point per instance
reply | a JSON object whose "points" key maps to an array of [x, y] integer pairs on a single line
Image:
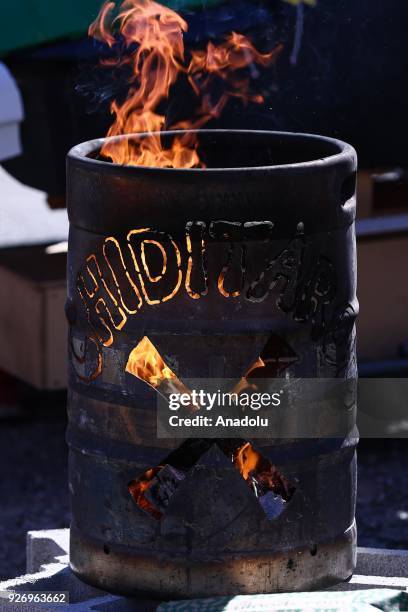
{"points": [[246, 572], [257, 258]]}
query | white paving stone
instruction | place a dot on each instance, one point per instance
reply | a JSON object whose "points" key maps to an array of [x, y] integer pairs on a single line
{"points": [[47, 570]]}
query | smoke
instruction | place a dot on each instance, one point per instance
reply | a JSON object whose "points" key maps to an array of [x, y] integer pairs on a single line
{"points": [[266, 22]]}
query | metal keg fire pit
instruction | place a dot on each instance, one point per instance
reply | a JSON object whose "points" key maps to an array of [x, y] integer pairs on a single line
{"points": [[250, 260]]}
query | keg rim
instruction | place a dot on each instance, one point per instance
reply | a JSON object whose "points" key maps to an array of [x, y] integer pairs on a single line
{"points": [[81, 153]]}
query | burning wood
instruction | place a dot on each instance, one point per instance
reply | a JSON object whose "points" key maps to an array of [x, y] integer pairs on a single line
{"points": [[271, 488], [152, 491], [152, 36], [146, 363], [137, 489], [276, 357], [163, 487]]}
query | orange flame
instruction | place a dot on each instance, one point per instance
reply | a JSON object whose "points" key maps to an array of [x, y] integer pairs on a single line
{"points": [[246, 460], [146, 363], [137, 489], [153, 37], [252, 465], [245, 384]]}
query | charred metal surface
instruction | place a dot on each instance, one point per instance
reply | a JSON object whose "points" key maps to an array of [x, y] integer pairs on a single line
{"points": [[216, 268], [266, 571]]}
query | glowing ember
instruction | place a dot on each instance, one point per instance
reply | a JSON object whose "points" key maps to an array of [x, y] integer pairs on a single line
{"points": [[275, 358], [146, 363], [260, 474], [153, 490], [246, 460], [153, 38], [137, 489], [257, 370]]}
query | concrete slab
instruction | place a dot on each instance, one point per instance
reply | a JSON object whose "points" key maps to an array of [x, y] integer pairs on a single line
{"points": [[47, 567], [45, 547]]}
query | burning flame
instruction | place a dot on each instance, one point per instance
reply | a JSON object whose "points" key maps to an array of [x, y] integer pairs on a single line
{"points": [[152, 36], [153, 490], [246, 460], [244, 384], [146, 363], [137, 489], [254, 468]]}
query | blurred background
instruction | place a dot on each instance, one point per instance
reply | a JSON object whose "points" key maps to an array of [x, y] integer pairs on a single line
{"points": [[342, 73]]}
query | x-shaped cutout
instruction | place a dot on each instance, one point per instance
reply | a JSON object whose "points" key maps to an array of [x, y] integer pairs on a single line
{"points": [[146, 364], [153, 490]]}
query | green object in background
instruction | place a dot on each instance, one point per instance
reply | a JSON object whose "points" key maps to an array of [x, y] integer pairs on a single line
{"points": [[33, 22], [27, 23]]}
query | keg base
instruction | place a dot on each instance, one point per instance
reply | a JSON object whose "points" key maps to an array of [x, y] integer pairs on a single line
{"points": [[129, 571]]}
